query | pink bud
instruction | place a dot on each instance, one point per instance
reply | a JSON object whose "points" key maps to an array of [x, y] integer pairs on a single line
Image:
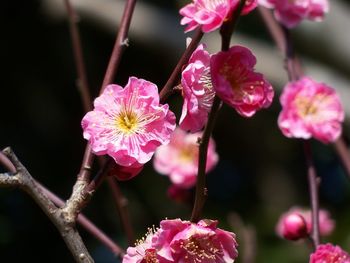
{"points": [[123, 173], [294, 227]]}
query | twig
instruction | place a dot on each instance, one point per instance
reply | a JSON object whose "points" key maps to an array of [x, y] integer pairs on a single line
{"points": [[167, 90], [78, 56], [293, 68], [201, 190], [121, 203], [25, 181], [313, 189], [343, 153]]}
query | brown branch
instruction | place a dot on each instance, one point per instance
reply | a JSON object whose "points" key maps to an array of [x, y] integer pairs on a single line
{"points": [[168, 88], [282, 35], [82, 82], [343, 153], [25, 181], [201, 190]]}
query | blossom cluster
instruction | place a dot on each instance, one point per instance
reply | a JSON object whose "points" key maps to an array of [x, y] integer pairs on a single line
{"points": [[328, 253], [291, 12], [183, 241]]}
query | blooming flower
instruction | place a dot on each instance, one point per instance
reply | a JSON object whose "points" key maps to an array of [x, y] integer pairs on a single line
{"points": [[183, 241], [328, 253], [211, 14], [310, 109], [291, 12], [236, 83], [289, 225], [128, 124], [197, 91], [179, 159], [180, 241]]}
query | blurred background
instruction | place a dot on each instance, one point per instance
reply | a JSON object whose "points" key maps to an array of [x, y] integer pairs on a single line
{"points": [[260, 175]]}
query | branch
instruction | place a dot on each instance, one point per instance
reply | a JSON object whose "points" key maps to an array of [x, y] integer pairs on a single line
{"points": [[25, 181], [201, 190]]}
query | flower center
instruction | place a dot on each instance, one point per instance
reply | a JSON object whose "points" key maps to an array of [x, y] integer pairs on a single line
{"points": [[307, 106], [188, 153], [150, 256], [199, 250], [127, 122]]}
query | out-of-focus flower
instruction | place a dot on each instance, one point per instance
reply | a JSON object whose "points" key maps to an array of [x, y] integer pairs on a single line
{"points": [[197, 91], [310, 109], [328, 253], [211, 14], [128, 124], [291, 12], [179, 159], [289, 224], [236, 83], [183, 241]]}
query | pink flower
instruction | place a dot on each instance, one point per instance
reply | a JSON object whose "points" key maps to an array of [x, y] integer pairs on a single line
{"points": [[183, 241], [179, 159], [128, 124], [328, 253], [236, 83], [310, 109], [143, 252], [293, 227], [211, 14], [285, 225], [197, 91], [124, 173], [291, 12]]}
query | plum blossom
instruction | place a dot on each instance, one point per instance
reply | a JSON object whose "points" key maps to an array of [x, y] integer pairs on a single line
{"points": [[128, 124], [291, 12], [143, 252], [124, 173], [237, 84], [296, 223], [211, 14], [182, 241], [328, 253], [310, 109], [179, 159], [197, 91]]}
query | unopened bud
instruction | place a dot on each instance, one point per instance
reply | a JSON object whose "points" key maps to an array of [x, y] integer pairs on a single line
{"points": [[294, 227]]}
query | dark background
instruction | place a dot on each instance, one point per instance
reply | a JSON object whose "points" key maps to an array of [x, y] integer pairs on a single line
{"points": [[260, 174]]}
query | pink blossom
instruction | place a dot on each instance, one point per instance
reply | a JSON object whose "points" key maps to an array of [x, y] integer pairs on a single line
{"points": [[197, 91], [179, 159], [293, 227], [128, 124], [328, 253], [211, 14], [183, 241], [123, 173], [310, 109], [326, 223], [291, 12], [236, 83], [144, 252]]}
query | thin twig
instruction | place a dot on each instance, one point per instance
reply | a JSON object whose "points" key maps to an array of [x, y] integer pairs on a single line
{"points": [[313, 189], [294, 69], [78, 57], [122, 204], [201, 190], [343, 153], [167, 90]]}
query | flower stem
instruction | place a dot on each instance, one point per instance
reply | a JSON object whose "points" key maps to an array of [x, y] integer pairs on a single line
{"points": [[201, 190], [343, 153], [313, 189], [281, 35], [167, 90]]}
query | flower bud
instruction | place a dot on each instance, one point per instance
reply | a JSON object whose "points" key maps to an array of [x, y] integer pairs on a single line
{"points": [[294, 227]]}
